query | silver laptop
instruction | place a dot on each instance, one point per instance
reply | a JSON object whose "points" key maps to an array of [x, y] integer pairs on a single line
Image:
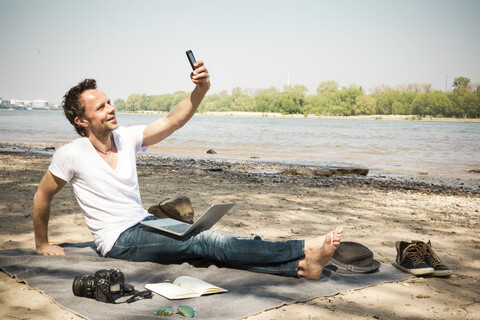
{"points": [[181, 229]]}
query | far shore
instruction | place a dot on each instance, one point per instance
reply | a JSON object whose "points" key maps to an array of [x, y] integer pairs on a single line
{"points": [[387, 117], [311, 116]]}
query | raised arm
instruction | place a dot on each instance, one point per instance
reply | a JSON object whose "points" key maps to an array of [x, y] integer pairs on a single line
{"points": [[48, 188], [163, 127]]}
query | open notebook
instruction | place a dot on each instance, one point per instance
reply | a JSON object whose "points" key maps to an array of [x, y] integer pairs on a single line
{"points": [[184, 287]]}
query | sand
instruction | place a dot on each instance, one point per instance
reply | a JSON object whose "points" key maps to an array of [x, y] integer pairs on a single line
{"points": [[371, 211]]}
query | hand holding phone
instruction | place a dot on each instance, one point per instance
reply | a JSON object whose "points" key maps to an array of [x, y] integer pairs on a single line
{"points": [[191, 58], [200, 78]]}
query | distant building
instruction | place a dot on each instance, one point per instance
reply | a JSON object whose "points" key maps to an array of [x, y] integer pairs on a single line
{"points": [[39, 104], [29, 104], [5, 102], [20, 103]]}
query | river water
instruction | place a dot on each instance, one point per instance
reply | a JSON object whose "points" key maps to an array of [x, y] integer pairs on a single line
{"points": [[385, 147]]}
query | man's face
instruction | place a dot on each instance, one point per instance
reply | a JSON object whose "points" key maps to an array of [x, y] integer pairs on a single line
{"points": [[99, 114]]}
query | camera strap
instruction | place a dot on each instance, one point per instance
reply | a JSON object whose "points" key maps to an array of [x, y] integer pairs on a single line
{"points": [[128, 290], [147, 294]]}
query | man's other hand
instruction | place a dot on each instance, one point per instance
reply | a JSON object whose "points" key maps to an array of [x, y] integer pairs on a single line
{"points": [[51, 250]]}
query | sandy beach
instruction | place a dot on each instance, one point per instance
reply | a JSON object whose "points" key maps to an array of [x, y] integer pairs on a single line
{"points": [[374, 211]]}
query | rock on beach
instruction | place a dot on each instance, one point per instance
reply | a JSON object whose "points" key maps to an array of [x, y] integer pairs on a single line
{"points": [[326, 172]]}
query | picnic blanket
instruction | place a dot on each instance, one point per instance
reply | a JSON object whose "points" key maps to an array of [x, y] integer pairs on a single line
{"points": [[248, 292]]}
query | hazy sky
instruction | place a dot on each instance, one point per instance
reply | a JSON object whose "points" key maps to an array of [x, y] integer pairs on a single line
{"points": [[47, 46]]}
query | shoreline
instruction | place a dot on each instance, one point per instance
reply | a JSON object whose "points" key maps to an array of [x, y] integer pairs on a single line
{"points": [[377, 117], [362, 117], [285, 173], [312, 116]]}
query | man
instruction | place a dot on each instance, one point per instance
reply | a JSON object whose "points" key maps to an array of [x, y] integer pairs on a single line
{"points": [[101, 167]]}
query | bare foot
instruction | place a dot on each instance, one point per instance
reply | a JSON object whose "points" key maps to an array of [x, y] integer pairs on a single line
{"points": [[317, 253]]}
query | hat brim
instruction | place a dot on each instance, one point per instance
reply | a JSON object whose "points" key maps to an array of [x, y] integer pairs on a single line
{"points": [[344, 268]]}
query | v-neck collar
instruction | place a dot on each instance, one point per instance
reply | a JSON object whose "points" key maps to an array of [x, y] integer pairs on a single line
{"points": [[99, 157]]}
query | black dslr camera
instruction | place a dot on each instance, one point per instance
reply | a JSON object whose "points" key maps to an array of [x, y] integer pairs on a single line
{"points": [[105, 285]]}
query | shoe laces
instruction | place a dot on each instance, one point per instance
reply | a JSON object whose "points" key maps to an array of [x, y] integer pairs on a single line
{"points": [[415, 254], [430, 256]]}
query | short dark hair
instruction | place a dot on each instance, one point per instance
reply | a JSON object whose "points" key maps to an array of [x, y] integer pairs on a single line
{"points": [[73, 104]]}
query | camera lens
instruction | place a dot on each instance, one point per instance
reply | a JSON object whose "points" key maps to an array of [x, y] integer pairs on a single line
{"points": [[83, 286]]}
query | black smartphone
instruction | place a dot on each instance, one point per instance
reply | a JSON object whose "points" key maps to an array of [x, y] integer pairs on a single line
{"points": [[191, 58]]}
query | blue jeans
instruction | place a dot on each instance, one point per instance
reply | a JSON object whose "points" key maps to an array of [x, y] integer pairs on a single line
{"points": [[141, 243]]}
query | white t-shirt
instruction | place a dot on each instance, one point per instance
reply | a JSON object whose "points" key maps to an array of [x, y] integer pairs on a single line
{"points": [[110, 199]]}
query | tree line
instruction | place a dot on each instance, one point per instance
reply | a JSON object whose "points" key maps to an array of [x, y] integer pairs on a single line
{"points": [[329, 100]]}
